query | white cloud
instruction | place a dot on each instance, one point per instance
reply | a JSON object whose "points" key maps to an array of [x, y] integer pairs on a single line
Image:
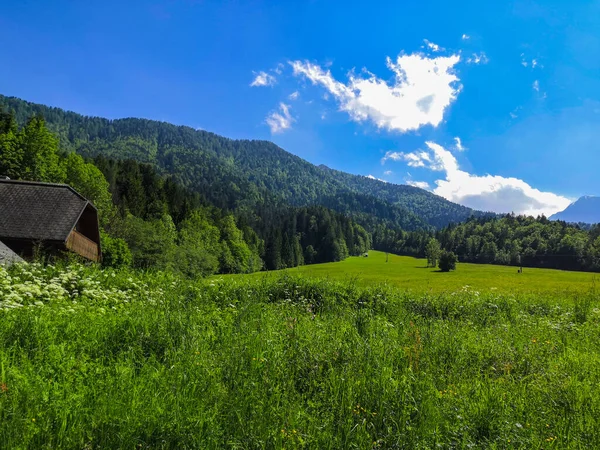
{"points": [[488, 192], [421, 91], [395, 156], [388, 172], [294, 95], [533, 63], [465, 37], [419, 158], [480, 58], [279, 122], [524, 62], [513, 114], [536, 88], [433, 47], [419, 184], [263, 79], [458, 144], [375, 178]]}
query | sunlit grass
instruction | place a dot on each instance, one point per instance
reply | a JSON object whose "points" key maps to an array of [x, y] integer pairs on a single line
{"points": [[129, 360], [413, 274]]}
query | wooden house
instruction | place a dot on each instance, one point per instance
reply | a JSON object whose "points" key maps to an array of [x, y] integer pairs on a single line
{"points": [[54, 217]]}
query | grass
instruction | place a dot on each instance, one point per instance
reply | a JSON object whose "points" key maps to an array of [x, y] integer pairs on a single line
{"points": [[413, 274], [94, 359]]}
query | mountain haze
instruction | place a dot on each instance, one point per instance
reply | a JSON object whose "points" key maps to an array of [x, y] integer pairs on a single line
{"points": [[243, 174], [585, 210]]}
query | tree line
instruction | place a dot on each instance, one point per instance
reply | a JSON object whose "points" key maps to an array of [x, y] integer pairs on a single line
{"points": [[508, 240], [524, 241]]}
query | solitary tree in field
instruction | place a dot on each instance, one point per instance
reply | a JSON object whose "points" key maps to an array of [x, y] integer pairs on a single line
{"points": [[433, 251], [448, 261]]}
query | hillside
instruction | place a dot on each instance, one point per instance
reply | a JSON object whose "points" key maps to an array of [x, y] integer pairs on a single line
{"points": [[584, 210], [149, 221], [243, 174]]}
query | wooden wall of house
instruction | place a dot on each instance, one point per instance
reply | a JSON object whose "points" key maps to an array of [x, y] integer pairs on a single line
{"points": [[88, 227], [80, 244]]}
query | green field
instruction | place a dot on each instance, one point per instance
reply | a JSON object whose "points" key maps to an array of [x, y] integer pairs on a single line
{"points": [[413, 274], [96, 359]]}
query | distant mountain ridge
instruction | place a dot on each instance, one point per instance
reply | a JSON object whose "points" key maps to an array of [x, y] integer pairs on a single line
{"points": [[585, 210], [244, 174]]}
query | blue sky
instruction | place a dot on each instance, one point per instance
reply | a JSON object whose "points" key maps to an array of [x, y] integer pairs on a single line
{"points": [[373, 88]]}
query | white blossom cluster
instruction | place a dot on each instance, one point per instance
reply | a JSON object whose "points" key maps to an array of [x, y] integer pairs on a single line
{"points": [[73, 287]]}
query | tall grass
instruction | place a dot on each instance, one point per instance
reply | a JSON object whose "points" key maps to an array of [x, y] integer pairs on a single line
{"points": [[131, 360]]}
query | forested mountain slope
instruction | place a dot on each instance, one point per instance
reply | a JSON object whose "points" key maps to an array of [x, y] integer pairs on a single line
{"points": [[435, 210], [243, 174]]}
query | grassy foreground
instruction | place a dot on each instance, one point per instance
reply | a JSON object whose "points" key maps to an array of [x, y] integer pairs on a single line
{"points": [[413, 274], [102, 359]]}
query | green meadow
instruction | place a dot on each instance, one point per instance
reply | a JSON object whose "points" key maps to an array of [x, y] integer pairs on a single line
{"points": [[412, 274], [97, 359]]}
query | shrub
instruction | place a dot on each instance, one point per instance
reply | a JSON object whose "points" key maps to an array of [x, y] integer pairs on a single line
{"points": [[115, 251], [448, 261]]}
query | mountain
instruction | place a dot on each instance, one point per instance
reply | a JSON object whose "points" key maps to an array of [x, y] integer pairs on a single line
{"points": [[584, 210], [243, 174]]}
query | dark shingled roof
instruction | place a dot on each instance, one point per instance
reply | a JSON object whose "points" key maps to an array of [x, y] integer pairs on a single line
{"points": [[39, 211], [7, 256]]}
